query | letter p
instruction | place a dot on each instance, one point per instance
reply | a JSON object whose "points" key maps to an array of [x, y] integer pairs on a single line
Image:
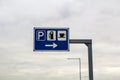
{"points": [[40, 35]]}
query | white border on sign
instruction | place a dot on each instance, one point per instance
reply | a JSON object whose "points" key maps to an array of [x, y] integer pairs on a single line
{"points": [[49, 28]]}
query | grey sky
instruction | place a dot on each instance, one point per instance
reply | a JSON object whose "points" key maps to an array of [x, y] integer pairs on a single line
{"points": [[95, 19]]}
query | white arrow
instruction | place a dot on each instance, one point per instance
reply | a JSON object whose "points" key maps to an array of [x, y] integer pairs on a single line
{"points": [[51, 45]]}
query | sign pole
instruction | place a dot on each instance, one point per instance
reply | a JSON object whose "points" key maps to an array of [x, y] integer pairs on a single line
{"points": [[88, 43], [79, 65]]}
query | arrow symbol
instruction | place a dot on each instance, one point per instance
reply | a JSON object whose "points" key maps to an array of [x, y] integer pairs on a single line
{"points": [[51, 45]]}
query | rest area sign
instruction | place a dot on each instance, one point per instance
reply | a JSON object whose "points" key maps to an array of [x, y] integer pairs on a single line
{"points": [[51, 39]]}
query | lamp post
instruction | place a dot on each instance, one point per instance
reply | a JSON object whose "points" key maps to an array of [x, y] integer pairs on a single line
{"points": [[79, 65]]}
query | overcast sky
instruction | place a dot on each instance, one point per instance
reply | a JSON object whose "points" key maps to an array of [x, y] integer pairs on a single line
{"points": [[98, 20]]}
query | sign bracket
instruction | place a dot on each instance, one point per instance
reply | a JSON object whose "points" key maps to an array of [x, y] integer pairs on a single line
{"points": [[88, 43]]}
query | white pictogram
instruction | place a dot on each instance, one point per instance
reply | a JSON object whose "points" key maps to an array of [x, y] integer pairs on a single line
{"points": [[40, 35], [51, 35], [61, 35], [51, 45]]}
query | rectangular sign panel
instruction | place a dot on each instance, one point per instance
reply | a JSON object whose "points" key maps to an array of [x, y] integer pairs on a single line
{"points": [[53, 39]]}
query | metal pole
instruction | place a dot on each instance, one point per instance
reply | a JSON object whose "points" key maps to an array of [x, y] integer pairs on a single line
{"points": [[88, 43], [79, 66], [90, 61]]}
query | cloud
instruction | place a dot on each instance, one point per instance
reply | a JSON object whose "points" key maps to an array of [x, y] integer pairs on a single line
{"points": [[98, 20]]}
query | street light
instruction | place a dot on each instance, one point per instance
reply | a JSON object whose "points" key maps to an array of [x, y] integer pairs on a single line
{"points": [[79, 65]]}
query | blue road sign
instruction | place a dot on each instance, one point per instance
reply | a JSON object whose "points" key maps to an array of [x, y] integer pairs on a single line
{"points": [[51, 39]]}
